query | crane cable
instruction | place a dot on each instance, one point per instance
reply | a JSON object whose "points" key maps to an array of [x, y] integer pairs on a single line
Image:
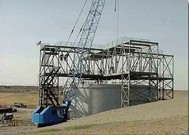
{"points": [[115, 5], [74, 29], [76, 22], [77, 34], [116, 9]]}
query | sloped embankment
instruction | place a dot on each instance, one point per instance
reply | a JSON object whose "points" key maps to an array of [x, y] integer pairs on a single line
{"points": [[163, 117]]}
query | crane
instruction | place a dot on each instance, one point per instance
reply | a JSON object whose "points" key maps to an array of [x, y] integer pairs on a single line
{"points": [[86, 40], [45, 115]]}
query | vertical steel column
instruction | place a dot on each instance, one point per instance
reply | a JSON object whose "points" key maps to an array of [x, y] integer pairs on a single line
{"points": [[163, 85], [129, 74], [157, 58], [173, 78]]}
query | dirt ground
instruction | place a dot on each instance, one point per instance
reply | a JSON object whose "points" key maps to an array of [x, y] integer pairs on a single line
{"points": [[24, 94], [162, 117]]}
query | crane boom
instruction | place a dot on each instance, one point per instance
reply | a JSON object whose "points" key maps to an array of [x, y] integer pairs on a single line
{"points": [[50, 111], [91, 23], [79, 64]]}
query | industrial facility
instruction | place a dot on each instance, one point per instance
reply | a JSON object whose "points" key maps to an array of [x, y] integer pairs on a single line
{"points": [[125, 72]]}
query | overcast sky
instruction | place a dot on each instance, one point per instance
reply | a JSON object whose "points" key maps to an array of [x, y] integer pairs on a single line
{"points": [[25, 22]]}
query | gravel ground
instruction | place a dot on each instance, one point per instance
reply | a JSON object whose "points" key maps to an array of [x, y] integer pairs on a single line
{"points": [[163, 117]]}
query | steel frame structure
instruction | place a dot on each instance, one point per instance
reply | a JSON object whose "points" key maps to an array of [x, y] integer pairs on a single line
{"points": [[48, 84], [132, 63]]}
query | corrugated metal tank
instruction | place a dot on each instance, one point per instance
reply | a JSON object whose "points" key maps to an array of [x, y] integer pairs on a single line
{"points": [[95, 98]]}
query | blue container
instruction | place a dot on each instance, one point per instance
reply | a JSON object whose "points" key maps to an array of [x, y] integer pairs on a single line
{"points": [[48, 115]]}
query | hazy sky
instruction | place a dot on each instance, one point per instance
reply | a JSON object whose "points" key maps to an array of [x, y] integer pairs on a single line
{"points": [[25, 22]]}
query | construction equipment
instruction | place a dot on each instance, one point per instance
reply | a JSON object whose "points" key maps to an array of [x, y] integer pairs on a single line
{"points": [[50, 111], [6, 118], [20, 105], [7, 109]]}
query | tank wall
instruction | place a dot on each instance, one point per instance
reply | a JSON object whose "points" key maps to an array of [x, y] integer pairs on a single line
{"points": [[95, 98], [140, 94]]}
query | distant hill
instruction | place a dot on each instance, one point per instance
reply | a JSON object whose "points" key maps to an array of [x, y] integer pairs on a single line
{"points": [[7, 89]]}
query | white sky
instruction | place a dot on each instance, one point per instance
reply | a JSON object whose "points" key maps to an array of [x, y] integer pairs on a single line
{"points": [[25, 22]]}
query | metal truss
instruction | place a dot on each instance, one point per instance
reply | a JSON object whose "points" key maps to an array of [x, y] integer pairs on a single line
{"points": [[48, 79], [166, 77], [135, 64]]}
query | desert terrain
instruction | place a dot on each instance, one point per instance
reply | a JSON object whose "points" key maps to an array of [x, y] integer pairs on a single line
{"points": [[162, 117]]}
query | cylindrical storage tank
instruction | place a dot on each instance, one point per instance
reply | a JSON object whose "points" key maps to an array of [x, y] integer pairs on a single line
{"points": [[94, 98]]}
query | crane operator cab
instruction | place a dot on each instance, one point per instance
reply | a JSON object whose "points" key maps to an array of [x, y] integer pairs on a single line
{"points": [[49, 115]]}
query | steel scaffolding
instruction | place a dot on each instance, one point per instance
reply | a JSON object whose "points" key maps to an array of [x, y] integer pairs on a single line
{"points": [[137, 65]]}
